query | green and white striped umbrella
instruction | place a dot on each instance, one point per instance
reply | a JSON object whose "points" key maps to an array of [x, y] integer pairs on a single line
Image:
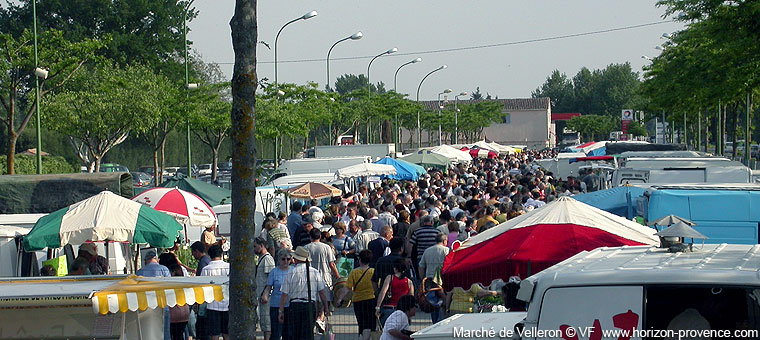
{"points": [[105, 216]]}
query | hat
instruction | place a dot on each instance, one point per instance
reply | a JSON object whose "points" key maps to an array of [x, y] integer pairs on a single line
{"points": [[150, 254], [90, 248], [302, 254]]}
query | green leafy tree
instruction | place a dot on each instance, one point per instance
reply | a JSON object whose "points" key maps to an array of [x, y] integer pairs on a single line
{"points": [[93, 107], [476, 95], [210, 121], [170, 105], [593, 127], [637, 129], [559, 89], [143, 32], [62, 57]]}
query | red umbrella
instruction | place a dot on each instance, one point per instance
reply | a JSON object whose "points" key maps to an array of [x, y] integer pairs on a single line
{"points": [[476, 152], [537, 240], [186, 207]]}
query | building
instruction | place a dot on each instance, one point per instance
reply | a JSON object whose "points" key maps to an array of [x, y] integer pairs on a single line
{"points": [[527, 122]]}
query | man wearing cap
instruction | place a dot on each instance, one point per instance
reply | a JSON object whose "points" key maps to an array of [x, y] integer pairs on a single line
{"points": [[97, 265], [303, 307], [152, 268]]}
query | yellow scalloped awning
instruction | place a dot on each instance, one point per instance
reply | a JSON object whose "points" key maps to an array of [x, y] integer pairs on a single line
{"points": [[132, 294]]}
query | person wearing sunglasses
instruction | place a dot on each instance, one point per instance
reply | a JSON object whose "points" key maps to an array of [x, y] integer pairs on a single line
{"points": [[272, 293]]}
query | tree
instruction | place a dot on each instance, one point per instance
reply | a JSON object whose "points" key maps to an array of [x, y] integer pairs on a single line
{"points": [[476, 95], [559, 89], [350, 82], [143, 32], [637, 129], [243, 299], [93, 107], [592, 127], [211, 121], [62, 57], [170, 106]]}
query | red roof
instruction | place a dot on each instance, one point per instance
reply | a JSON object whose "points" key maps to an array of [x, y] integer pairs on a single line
{"points": [[564, 116]]}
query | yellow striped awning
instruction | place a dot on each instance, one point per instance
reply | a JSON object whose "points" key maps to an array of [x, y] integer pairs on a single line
{"points": [[137, 293]]}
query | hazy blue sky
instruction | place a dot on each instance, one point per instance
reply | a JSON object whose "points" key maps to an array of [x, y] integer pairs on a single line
{"points": [[418, 27]]}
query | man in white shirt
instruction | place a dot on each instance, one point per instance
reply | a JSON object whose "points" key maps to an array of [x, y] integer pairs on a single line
{"points": [[367, 235], [302, 296], [217, 312]]}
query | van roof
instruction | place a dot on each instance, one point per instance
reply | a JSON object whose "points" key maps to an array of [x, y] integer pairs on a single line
{"points": [[707, 186], [731, 264]]}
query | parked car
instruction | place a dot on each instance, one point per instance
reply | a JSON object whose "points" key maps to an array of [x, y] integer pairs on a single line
{"points": [[113, 167], [141, 179], [171, 171], [204, 169]]}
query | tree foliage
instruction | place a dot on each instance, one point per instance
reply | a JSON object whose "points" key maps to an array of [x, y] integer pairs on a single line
{"points": [[142, 32], [93, 107], [598, 92], [62, 57]]}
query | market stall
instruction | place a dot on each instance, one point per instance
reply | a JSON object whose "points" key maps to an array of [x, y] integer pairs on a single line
{"points": [[100, 307]]}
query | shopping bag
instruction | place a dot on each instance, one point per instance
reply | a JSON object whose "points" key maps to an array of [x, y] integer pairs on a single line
{"points": [[345, 266], [376, 334], [328, 334], [59, 263]]}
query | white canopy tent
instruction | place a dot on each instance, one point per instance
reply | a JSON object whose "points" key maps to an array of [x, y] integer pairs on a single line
{"points": [[365, 170]]}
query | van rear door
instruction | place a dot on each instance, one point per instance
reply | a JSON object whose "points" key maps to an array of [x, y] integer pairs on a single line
{"points": [[578, 312]]}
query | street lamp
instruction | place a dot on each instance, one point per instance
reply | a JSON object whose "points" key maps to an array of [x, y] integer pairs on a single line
{"points": [[395, 76], [355, 36], [419, 132], [369, 84], [418, 60], [303, 17], [440, 135], [188, 87], [456, 117], [39, 73]]}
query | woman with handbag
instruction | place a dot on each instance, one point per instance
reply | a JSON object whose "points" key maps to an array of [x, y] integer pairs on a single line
{"points": [[394, 287], [344, 244], [360, 282]]}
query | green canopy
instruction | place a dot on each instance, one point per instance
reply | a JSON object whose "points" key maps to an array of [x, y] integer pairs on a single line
{"points": [[212, 194], [103, 217], [427, 158]]}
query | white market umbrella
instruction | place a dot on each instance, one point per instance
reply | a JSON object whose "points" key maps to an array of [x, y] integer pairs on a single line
{"points": [[103, 217]]}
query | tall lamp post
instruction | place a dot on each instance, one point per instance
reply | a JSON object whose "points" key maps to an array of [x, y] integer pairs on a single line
{"points": [[303, 17], [188, 87], [456, 117], [440, 134], [419, 132], [418, 60], [395, 76], [369, 84], [355, 36], [39, 73]]}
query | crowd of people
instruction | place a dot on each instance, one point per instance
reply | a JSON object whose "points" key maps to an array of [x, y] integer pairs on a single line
{"points": [[381, 244], [375, 247]]}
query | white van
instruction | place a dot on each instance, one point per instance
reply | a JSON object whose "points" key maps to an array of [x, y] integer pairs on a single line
{"points": [[645, 291], [318, 165]]}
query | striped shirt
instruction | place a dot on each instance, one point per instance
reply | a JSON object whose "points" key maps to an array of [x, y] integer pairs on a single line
{"points": [[424, 238]]}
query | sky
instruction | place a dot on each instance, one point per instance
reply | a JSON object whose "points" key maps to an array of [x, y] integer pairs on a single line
{"points": [[505, 47]]}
